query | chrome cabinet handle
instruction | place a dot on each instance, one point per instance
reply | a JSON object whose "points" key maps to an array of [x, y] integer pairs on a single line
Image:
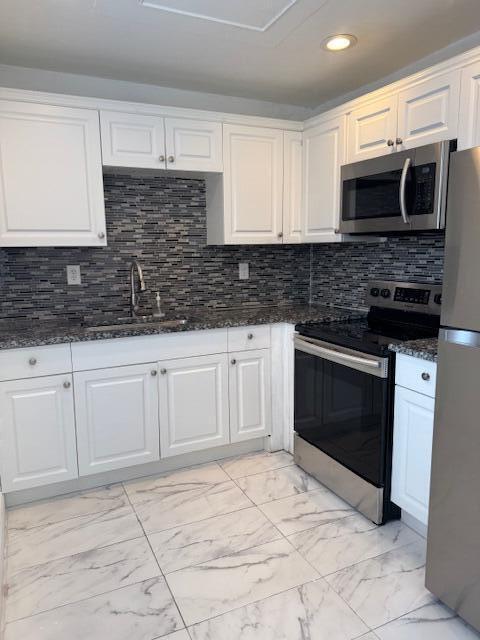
{"points": [[390, 142], [403, 182], [153, 372], [101, 235], [425, 376], [163, 371], [32, 361], [233, 361], [398, 141], [171, 159], [67, 384], [161, 158], [250, 336]]}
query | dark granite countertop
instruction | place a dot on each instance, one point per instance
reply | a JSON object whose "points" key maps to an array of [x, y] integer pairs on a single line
{"points": [[25, 333], [426, 349]]}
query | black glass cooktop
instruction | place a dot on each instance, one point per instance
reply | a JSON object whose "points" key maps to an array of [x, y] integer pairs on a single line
{"points": [[374, 333]]}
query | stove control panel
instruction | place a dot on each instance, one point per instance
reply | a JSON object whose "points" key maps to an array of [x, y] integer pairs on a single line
{"points": [[406, 296]]}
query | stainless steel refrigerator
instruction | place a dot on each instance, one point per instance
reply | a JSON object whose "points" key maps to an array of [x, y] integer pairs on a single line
{"points": [[453, 549]]}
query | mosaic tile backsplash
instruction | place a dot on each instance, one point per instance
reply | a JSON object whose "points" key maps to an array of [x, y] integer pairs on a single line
{"points": [[161, 221]]}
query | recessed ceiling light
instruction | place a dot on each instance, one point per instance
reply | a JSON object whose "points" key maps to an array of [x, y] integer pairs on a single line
{"points": [[339, 42]]}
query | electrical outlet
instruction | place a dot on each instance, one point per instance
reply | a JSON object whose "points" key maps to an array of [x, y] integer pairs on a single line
{"points": [[73, 274], [243, 271]]}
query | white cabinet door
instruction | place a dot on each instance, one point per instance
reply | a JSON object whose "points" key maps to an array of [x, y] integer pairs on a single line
{"points": [[372, 130], [132, 140], [292, 186], [253, 185], [193, 397], [117, 417], [51, 184], [323, 154], [412, 452], [37, 424], [193, 145], [428, 111], [250, 395], [469, 120]]}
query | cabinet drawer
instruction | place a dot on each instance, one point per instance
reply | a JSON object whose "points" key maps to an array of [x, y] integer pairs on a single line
{"points": [[31, 362], [117, 352], [246, 338], [416, 374]]}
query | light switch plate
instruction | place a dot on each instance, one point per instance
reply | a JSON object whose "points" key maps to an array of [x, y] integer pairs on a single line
{"points": [[243, 271], [73, 274]]}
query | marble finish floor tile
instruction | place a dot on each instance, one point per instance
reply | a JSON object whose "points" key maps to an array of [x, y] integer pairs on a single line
{"points": [[432, 622], [306, 510], [143, 611], [27, 548], [279, 483], [339, 544], [209, 539], [177, 635], [386, 587], [230, 582], [64, 507], [77, 577], [255, 463], [185, 496], [310, 612]]}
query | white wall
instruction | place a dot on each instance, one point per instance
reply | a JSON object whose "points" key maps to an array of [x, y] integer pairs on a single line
{"points": [[460, 46], [90, 86]]}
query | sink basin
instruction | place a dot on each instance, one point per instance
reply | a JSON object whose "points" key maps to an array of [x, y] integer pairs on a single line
{"points": [[134, 322]]}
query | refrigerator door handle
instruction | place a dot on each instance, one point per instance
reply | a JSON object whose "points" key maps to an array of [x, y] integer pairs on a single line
{"points": [[461, 337]]}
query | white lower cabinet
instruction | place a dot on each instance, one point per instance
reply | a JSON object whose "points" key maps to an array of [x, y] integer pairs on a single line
{"points": [[412, 452], [37, 425], [193, 401], [117, 417], [249, 394]]}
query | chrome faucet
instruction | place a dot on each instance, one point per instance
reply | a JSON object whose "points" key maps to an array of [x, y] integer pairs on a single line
{"points": [[134, 307]]}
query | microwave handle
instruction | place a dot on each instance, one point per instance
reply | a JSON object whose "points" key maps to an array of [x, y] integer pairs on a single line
{"points": [[403, 182]]}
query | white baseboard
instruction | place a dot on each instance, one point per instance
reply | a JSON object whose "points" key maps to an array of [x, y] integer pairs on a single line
{"points": [[414, 524]]}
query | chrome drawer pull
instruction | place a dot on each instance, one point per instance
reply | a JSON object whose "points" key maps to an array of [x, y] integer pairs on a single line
{"points": [[425, 376]]}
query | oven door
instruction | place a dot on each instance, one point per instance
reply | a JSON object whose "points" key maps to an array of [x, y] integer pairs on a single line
{"points": [[404, 191], [342, 405]]}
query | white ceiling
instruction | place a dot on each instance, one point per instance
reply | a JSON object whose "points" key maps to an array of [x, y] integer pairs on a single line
{"points": [[263, 49]]}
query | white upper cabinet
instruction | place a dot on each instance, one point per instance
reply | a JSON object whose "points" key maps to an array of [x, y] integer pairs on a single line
{"points": [[323, 154], [117, 417], [372, 129], [37, 432], [250, 395], [292, 186], [428, 111], [132, 140], [469, 121], [152, 142], [51, 185], [251, 209], [193, 396], [193, 145]]}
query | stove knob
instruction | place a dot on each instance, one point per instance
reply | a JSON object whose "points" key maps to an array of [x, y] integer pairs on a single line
{"points": [[374, 292], [437, 298], [385, 293]]}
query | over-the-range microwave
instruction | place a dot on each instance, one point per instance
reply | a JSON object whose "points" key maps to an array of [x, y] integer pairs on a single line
{"points": [[400, 192]]}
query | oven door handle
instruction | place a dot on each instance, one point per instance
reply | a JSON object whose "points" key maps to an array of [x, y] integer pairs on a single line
{"points": [[379, 366], [403, 184]]}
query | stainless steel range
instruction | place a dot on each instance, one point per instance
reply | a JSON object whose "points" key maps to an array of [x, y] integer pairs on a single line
{"points": [[344, 390]]}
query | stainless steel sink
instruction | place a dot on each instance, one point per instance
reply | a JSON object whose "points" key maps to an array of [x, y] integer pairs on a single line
{"points": [[134, 322]]}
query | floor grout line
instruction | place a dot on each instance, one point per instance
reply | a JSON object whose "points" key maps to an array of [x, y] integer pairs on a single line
{"points": [[159, 567]]}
